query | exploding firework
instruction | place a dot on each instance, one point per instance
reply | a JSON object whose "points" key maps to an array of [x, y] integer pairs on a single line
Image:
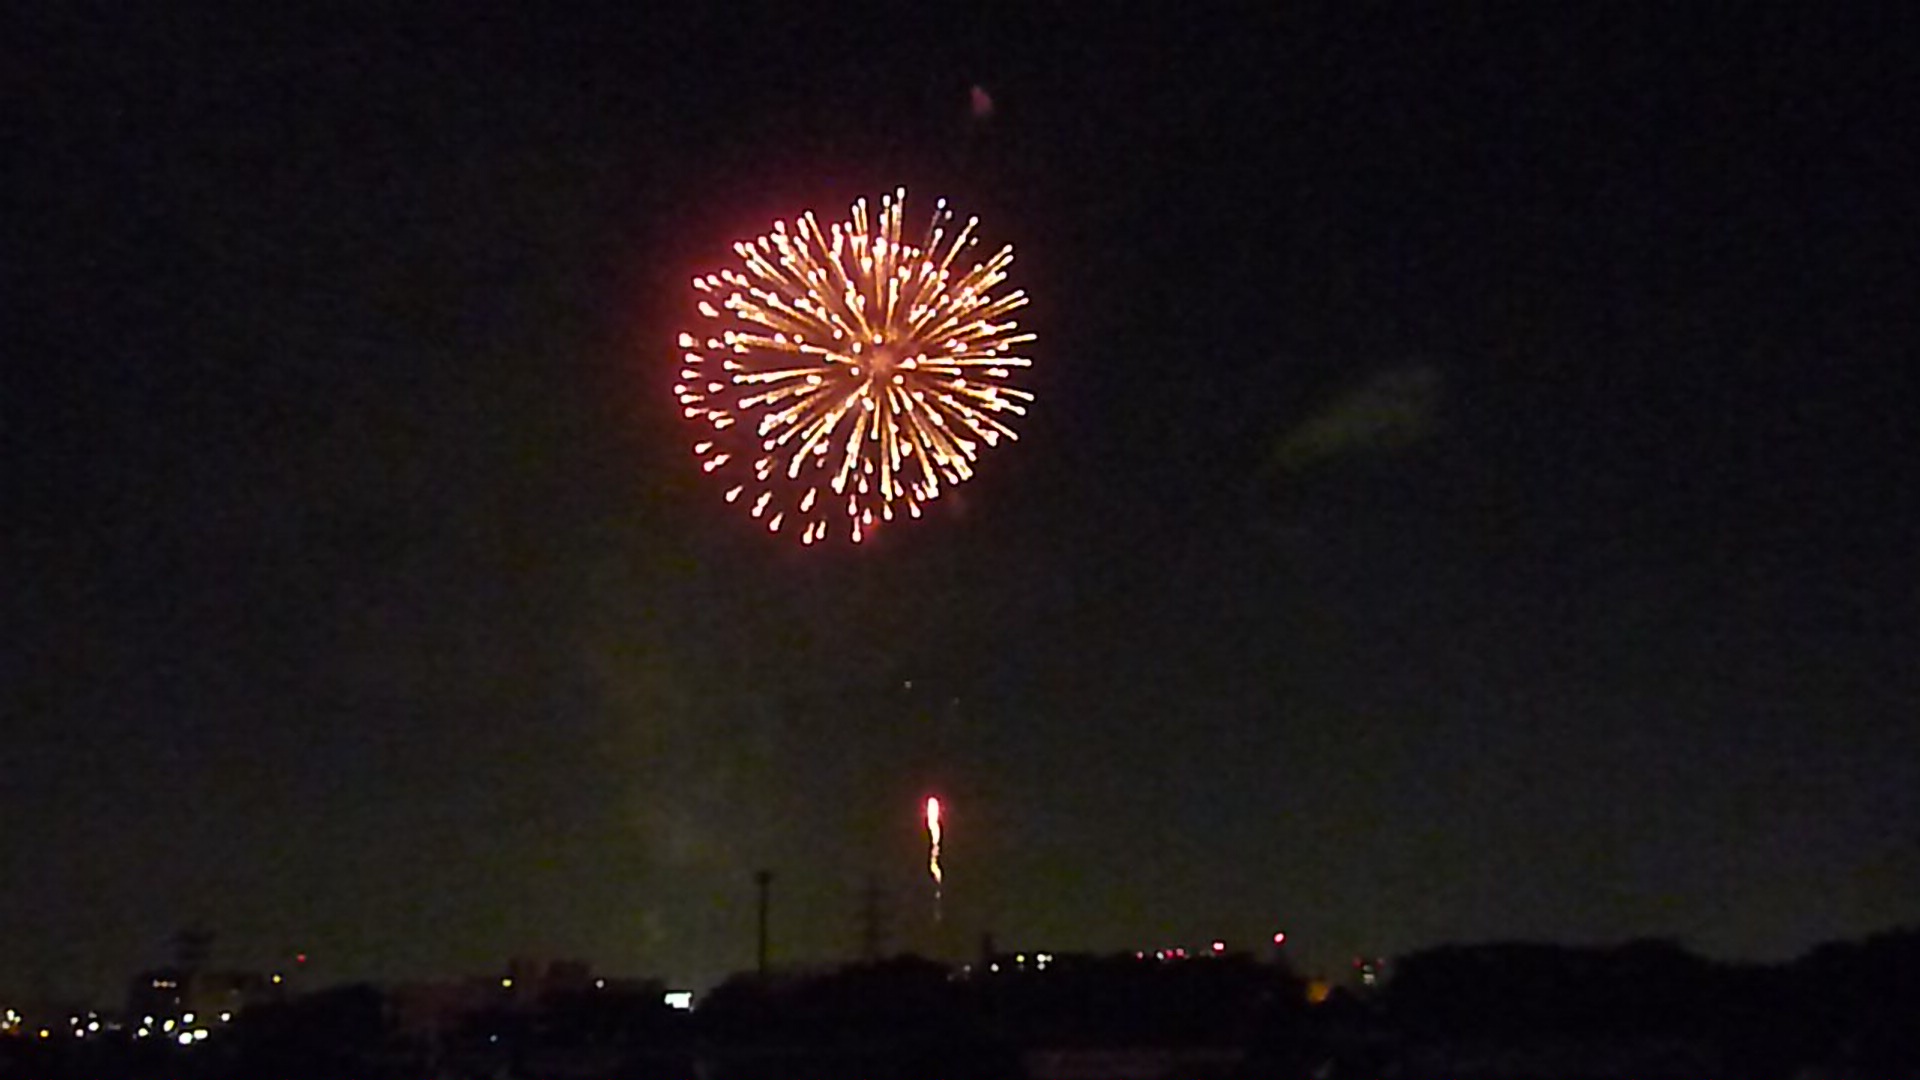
{"points": [[933, 853], [848, 375]]}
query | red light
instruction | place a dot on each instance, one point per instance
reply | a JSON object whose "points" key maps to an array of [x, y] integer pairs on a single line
{"points": [[299, 958], [1219, 946], [1280, 938]]}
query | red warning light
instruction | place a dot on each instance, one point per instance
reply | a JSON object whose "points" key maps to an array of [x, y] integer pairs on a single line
{"points": [[299, 958], [1280, 938]]}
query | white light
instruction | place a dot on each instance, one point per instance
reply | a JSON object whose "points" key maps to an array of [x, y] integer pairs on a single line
{"points": [[599, 984], [200, 1034], [144, 1032], [186, 1018], [94, 1026], [168, 1026], [186, 1037], [679, 999], [226, 1017]]}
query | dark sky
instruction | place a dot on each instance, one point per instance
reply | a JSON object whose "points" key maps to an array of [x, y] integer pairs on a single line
{"points": [[1471, 495]]}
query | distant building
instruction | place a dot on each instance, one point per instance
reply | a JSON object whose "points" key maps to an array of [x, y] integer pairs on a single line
{"points": [[528, 985], [172, 992]]}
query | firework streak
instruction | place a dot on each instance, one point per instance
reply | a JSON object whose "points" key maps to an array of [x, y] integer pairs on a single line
{"points": [[933, 854]]}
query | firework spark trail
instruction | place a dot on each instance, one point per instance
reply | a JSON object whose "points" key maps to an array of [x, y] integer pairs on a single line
{"points": [[851, 374], [933, 853]]}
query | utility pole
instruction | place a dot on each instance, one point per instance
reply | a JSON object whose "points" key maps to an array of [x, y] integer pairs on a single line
{"points": [[763, 880]]}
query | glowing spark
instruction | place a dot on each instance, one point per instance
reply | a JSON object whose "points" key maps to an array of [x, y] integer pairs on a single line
{"points": [[851, 358], [933, 853]]}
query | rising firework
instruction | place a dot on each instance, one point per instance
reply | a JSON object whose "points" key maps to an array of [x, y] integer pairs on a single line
{"points": [[933, 854], [845, 374]]}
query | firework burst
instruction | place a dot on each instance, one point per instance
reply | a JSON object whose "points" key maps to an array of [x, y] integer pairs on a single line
{"points": [[844, 376]]}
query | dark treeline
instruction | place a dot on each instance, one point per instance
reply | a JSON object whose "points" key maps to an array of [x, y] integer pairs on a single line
{"points": [[1643, 1010]]}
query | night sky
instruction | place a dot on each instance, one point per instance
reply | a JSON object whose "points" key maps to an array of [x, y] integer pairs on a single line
{"points": [[1472, 493]]}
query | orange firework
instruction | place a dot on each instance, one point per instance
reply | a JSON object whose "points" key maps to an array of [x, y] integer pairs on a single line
{"points": [[933, 853], [847, 374]]}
